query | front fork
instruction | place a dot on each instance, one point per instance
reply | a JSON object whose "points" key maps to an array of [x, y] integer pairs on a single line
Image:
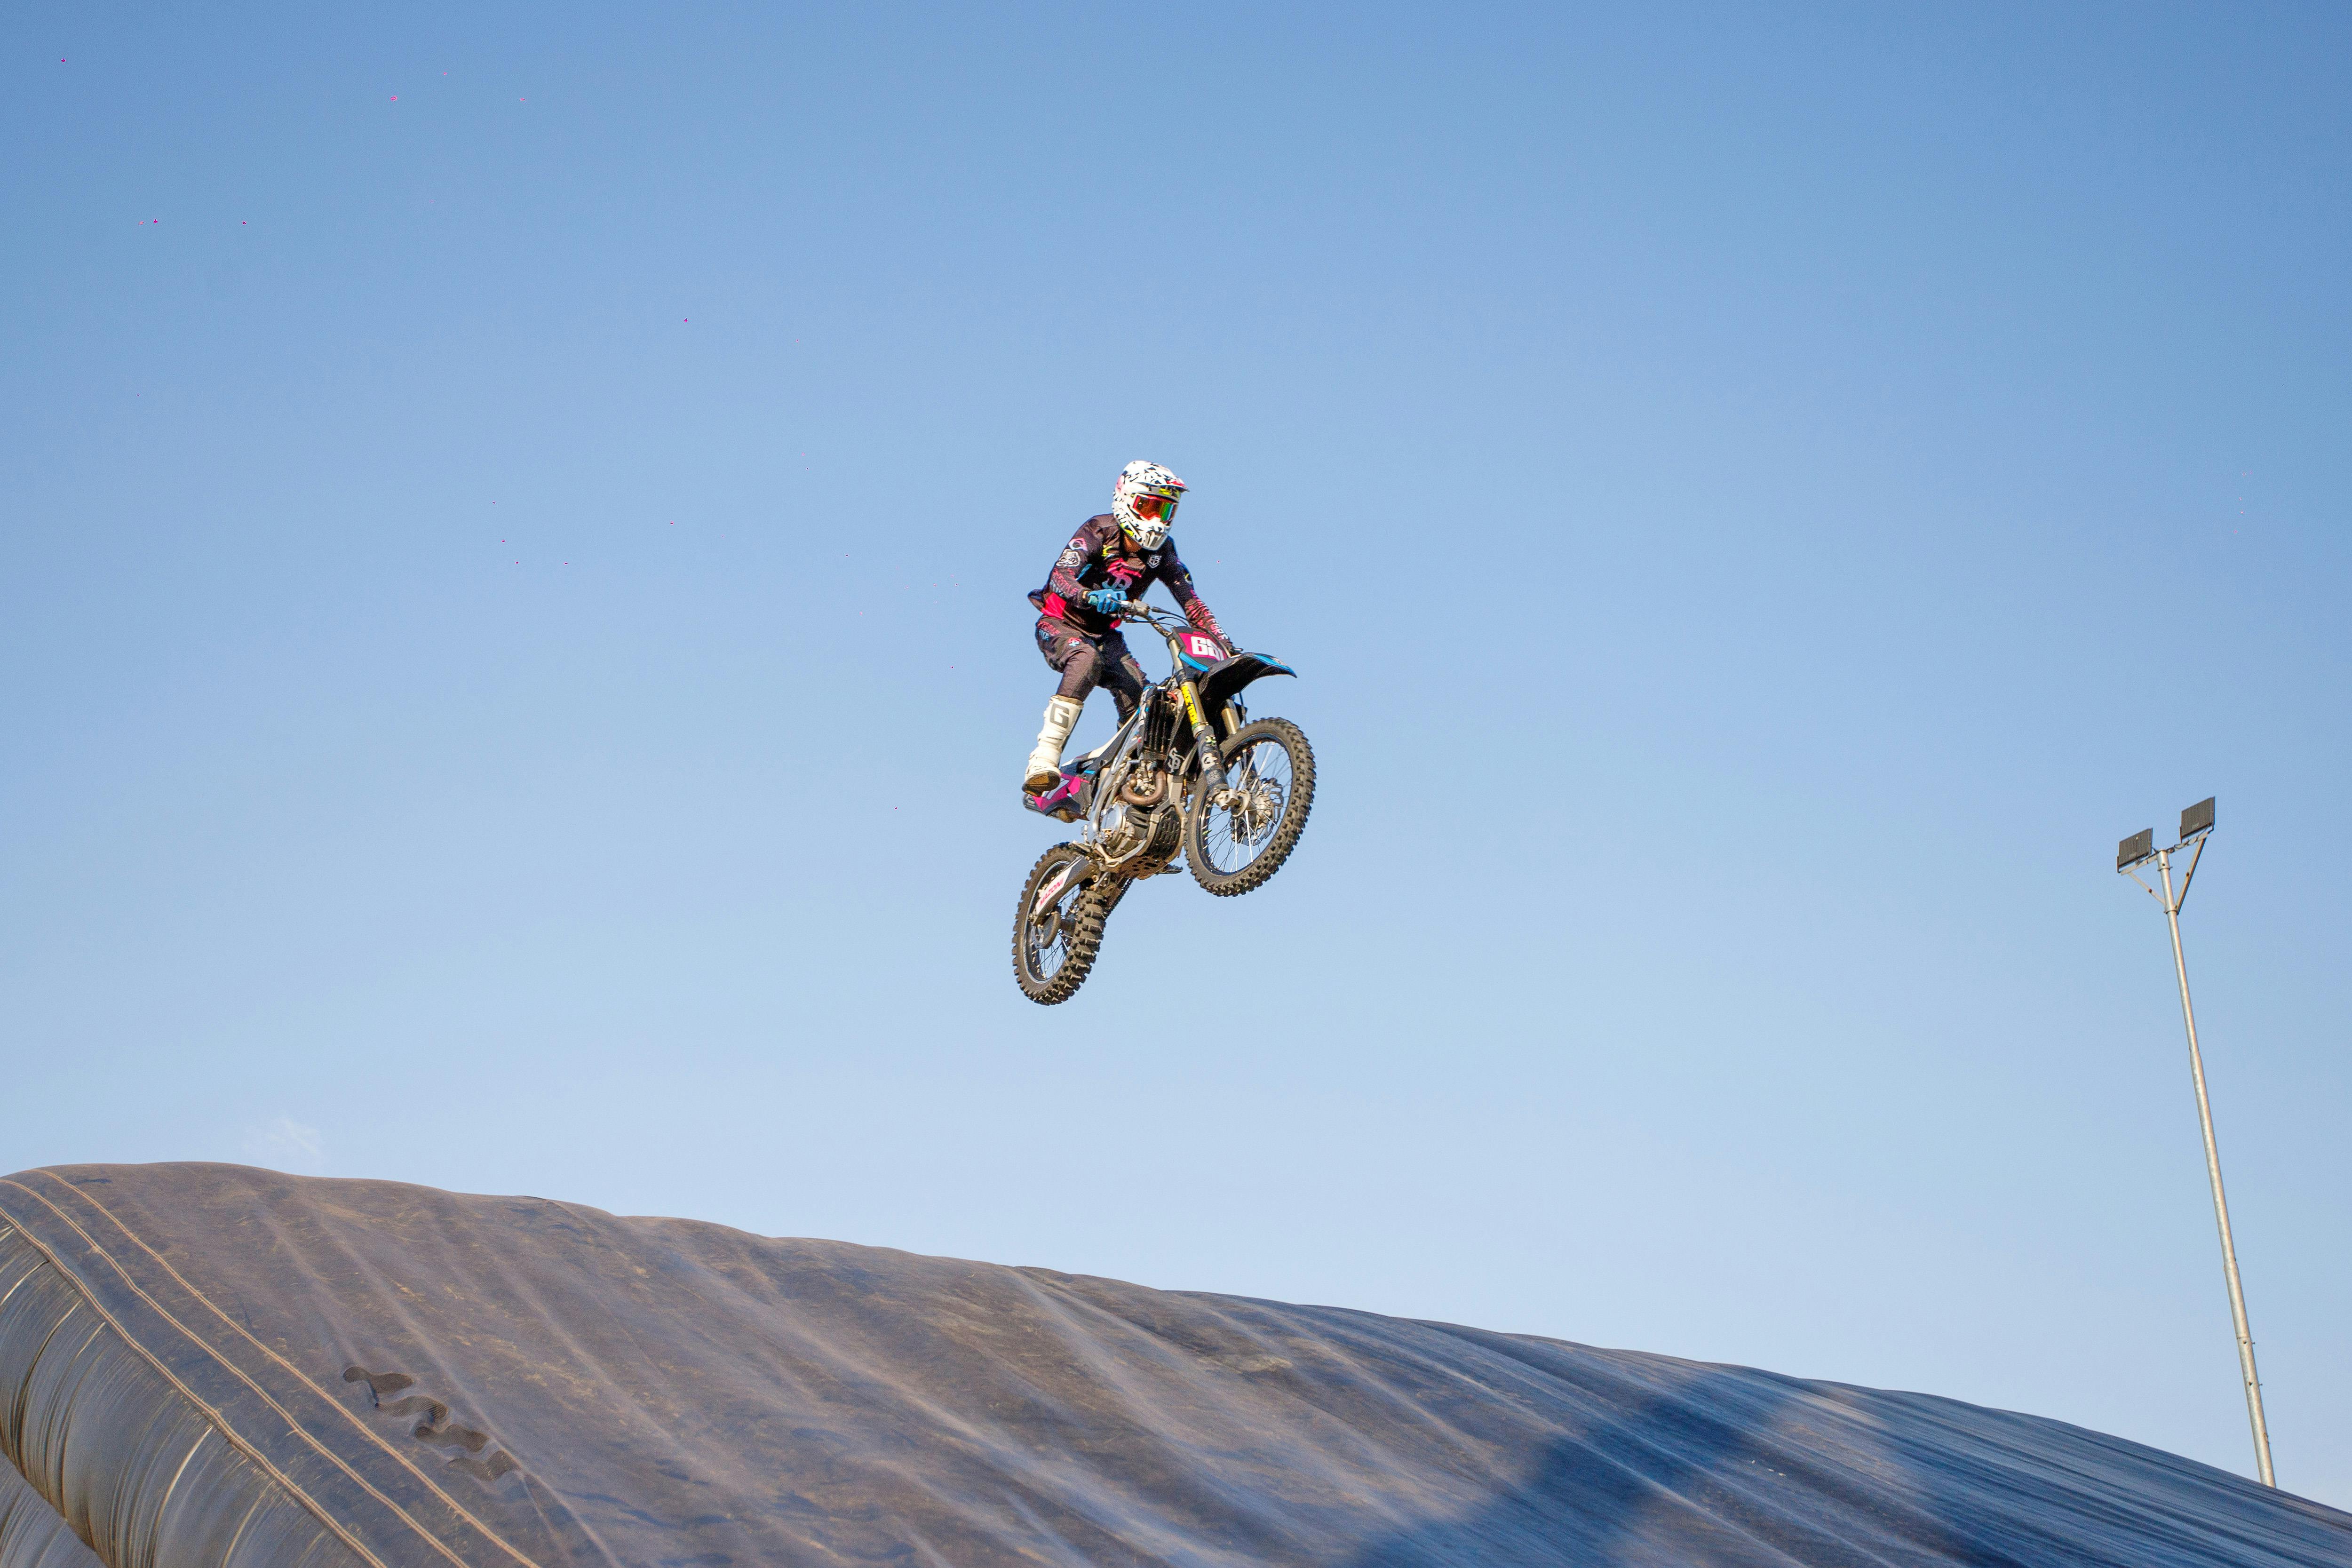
{"points": [[1213, 756]]}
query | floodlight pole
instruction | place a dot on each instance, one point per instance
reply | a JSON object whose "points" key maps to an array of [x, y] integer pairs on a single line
{"points": [[2213, 1169]]}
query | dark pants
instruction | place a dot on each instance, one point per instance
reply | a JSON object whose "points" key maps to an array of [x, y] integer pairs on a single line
{"points": [[1087, 662]]}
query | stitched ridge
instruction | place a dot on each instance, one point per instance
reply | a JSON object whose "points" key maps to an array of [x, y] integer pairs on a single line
{"points": [[212, 1416], [293, 1424], [342, 1409]]}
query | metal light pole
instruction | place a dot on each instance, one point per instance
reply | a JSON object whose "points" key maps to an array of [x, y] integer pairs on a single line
{"points": [[2196, 823]]}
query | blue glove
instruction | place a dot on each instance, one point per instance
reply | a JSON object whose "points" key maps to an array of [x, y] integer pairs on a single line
{"points": [[1106, 601]]}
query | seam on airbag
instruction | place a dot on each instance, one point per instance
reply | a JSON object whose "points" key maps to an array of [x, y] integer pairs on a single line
{"points": [[295, 1372], [212, 1416]]}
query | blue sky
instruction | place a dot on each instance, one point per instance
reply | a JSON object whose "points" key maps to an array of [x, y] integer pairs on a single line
{"points": [[515, 529]]}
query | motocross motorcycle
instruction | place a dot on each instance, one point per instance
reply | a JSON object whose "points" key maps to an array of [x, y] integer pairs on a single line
{"points": [[1188, 770]]}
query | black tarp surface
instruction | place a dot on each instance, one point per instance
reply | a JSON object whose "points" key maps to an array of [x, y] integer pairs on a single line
{"points": [[32, 1534], [213, 1364]]}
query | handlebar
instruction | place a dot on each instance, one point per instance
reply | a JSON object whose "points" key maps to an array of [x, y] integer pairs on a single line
{"points": [[1153, 616], [1165, 622]]}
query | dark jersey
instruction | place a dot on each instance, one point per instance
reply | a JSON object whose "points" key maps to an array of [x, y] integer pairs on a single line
{"points": [[1102, 557]]}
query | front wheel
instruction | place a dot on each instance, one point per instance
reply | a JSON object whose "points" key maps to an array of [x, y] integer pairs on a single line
{"points": [[1236, 841]]}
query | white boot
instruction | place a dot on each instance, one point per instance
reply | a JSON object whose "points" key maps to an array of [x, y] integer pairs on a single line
{"points": [[1046, 762]]}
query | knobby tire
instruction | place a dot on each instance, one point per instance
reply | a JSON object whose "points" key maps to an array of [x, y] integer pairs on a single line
{"points": [[1301, 799]]}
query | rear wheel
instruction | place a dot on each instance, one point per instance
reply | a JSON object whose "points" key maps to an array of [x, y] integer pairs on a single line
{"points": [[1058, 928], [1235, 843]]}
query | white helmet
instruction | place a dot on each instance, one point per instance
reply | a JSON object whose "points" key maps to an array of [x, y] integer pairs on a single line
{"points": [[1144, 501]]}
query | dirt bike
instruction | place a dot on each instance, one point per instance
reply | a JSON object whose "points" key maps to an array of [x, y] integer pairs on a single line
{"points": [[1235, 803]]}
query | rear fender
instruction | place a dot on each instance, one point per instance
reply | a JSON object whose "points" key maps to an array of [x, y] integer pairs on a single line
{"points": [[1078, 872]]}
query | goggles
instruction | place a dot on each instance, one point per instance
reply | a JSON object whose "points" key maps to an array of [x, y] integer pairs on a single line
{"points": [[1159, 504]]}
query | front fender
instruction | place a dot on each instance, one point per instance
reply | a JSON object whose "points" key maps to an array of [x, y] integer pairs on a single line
{"points": [[1223, 680]]}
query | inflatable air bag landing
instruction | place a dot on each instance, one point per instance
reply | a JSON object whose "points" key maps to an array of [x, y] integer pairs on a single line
{"points": [[204, 1365]]}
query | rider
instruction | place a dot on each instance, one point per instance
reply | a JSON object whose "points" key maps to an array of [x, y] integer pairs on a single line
{"points": [[1115, 557]]}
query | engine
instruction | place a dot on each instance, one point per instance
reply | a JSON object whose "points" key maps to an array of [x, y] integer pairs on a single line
{"points": [[1145, 823]]}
